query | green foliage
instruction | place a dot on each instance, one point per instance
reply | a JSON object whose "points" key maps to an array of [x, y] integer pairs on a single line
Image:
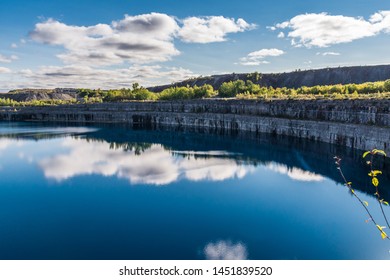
{"points": [[232, 89], [205, 91], [254, 77], [250, 90], [386, 85], [136, 93], [182, 93], [48, 102], [176, 93]]}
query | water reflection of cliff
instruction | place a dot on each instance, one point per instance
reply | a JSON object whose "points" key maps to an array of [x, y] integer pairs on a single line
{"points": [[284, 154], [162, 157]]}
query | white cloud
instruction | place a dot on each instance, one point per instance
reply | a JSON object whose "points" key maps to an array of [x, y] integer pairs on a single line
{"points": [[79, 76], [324, 30], [14, 46], [257, 57], [225, 250], [328, 53], [8, 59], [211, 29], [295, 173], [141, 40], [154, 166], [136, 39], [281, 35], [5, 70], [381, 21]]}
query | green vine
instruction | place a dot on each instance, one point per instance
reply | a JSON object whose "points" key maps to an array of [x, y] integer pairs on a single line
{"points": [[375, 182]]}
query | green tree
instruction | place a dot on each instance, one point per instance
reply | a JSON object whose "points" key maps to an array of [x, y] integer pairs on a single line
{"points": [[386, 85]]}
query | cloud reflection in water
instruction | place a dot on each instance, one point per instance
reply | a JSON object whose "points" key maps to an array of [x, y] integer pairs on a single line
{"points": [[225, 250], [154, 165], [295, 173]]}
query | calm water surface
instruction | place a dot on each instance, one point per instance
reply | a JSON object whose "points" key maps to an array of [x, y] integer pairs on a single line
{"points": [[101, 192]]}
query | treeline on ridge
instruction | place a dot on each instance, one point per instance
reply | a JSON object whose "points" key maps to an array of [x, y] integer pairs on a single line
{"points": [[232, 89], [241, 89]]}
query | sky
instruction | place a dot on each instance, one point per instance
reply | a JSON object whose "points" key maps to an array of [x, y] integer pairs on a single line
{"points": [[113, 44]]}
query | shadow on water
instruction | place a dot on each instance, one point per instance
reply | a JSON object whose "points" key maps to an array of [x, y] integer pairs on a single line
{"points": [[244, 148]]}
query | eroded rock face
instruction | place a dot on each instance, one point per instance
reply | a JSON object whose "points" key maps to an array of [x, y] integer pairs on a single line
{"points": [[360, 124]]}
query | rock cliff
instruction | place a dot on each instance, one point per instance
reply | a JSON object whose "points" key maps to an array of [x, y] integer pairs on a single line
{"points": [[359, 124]]}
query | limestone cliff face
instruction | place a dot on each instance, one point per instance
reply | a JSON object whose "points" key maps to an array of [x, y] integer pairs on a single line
{"points": [[327, 76], [360, 124]]}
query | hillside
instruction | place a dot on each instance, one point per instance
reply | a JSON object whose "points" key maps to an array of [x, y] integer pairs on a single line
{"points": [[41, 94], [326, 76], [296, 79]]}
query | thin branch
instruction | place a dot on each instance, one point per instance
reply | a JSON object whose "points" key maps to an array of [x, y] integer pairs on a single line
{"points": [[348, 185], [377, 192]]}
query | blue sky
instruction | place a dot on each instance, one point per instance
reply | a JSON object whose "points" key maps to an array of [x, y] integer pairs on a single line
{"points": [[111, 44]]}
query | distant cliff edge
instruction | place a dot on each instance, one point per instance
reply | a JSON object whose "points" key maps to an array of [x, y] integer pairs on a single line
{"points": [[298, 78]]}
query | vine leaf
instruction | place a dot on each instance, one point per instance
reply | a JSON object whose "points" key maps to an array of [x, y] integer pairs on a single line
{"points": [[383, 234], [366, 153], [375, 181], [365, 202], [375, 151], [374, 173]]}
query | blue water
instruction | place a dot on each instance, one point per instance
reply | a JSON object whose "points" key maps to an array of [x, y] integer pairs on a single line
{"points": [[110, 192]]}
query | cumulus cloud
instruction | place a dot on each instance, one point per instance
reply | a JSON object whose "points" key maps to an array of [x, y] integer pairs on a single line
{"points": [[5, 70], [143, 41], [225, 250], [79, 76], [328, 53], [8, 59], [257, 57], [281, 35], [154, 166], [295, 173], [211, 29], [136, 39], [324, 30]]}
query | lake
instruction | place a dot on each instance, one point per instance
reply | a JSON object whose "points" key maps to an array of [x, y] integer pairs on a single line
{"points": [[111, 192]]}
